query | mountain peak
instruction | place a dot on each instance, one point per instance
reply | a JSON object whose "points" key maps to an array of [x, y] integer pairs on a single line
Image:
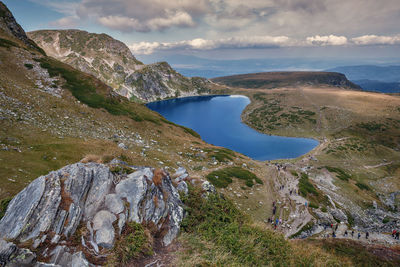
{"points": [[112, 62], [10, 27]]}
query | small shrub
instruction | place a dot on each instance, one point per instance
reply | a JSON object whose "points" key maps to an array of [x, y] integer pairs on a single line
{"points": [[313, 205], [341, 174], [386, 220], [28, 66], [324, 209]]}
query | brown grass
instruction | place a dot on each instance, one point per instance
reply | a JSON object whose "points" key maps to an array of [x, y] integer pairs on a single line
{"points": [[158, 176], [66, 199], [92, 158]]}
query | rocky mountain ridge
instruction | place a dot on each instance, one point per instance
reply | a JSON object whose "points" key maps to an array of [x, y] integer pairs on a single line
{"points": [[112, 62], [269, 80]]}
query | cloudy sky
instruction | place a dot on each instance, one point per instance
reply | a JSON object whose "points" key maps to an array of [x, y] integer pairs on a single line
{"points": [[224, 28]]}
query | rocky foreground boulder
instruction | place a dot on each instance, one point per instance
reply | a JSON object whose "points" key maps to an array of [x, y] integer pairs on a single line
{"points": [[82, 208]]}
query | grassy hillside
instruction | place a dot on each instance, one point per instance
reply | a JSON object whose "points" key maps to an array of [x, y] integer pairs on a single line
{"points": [[269, 80]]}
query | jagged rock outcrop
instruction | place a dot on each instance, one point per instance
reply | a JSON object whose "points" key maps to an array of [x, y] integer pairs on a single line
{"points": [[112, 62], [91, 198], [9, 26]]}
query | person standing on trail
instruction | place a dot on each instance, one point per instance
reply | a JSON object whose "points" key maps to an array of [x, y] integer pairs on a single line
{"points": [[331, 225], [397, 235], [333, 234], [337, 225], [394, 233], [359, 235], [345, 233], [352, 233], [366, 235]]}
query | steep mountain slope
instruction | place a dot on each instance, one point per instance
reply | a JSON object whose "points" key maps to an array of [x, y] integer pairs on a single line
{"points": [[269, 80], [112, 62]]}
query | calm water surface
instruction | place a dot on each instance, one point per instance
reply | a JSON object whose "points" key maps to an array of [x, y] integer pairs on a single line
{"points": [[217, 120]]}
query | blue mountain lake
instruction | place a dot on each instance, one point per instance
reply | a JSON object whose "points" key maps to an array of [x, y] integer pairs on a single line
{"points": [[217, 120]]}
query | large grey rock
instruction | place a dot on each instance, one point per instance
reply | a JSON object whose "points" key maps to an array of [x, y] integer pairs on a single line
{"points": [[208, 187], [183, 187], [33, 210], [114, 203], [102, 224], [338, 214], [61, 256], [133, 190]]}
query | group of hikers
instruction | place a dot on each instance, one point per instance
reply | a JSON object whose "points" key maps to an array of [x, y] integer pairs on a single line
{"points": [[346, 233]]}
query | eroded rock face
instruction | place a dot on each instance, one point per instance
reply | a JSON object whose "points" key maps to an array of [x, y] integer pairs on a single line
{"points": [[91, 198]]}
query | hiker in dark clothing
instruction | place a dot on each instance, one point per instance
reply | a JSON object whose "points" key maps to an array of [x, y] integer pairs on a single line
{"points": [[337, 225], [345, 233], [352, 233], [333, 234], [359, 235], [366, 235], [397, 235]]}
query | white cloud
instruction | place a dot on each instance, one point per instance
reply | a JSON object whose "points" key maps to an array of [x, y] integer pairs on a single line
{"points": [[376, 40], [144, 15], [203, 44], [326, 40], [262, 42], [65, 22]]}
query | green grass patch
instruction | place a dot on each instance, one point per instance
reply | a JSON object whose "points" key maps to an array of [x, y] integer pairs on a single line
{"points": [[222, 178], [363, 186], [350, 219], [217, 221], [7, 43], [91, 92], [306, 187], [359, 254], [3, 206], [185, 129], [372, 126], [132, 244], [341, 174]]}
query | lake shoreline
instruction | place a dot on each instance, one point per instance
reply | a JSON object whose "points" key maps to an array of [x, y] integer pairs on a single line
{"points": [[210, 121]]}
